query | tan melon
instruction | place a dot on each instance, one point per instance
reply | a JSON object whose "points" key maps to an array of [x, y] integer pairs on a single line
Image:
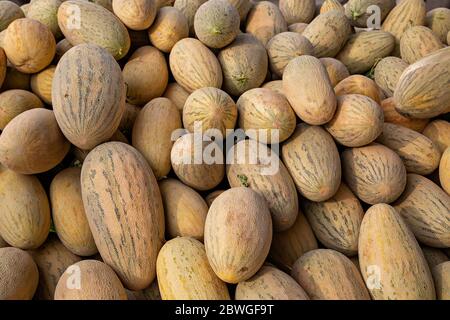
{"points": [[68, 213], [374, 173], [270, 283], [20, 275], [433, 256], [136, 14], [97, 282], [216, 23], [152, 133], [312, 159], [419, 154], [197, 163], [270, 180], [243, 7], [41, 84], [298, 27], [441, 275], [88, 102], [297, 10], [25, 218], [337, 71], [27, 137], [185, 210], [418, 42], [52, 259], [328, 33], [308, 89], [244, 64], [170, 26], [9, 11], [175, 93], [16, 80], [291, 244], [387, 73], [391, 261], [425, 207], [336, 221], [391, 115], [126, 184], [185, 274], [267, 113], [357, 122], [444, 170], [359, 84], [275, 85], [284, 47], [210, 109], [329, 5], [113, 37], [146, 75], [61, 48], [360, 13], [194, 66], [264, 21], [438, 131], [46, 12], [238, 233], [212, 196], [364, 49], [29, 45], [438, 20], [326, 274], [188, 8], [14, 102]]}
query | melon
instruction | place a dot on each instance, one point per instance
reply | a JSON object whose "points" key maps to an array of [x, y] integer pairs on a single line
{"points": [[41, 84], [329, 5], [46, 12], [387, 73], [441, 275], [128, 118], [391, 115], [444, 170], [438, 131], [359, 12], [188, 8], [14, 102], [275, 85], [434, 256], [3, 66], [295, 11], [298, 27], [418, 42], [212, 196], [136, 14], [16, 80], [176, 93], [242, 6], [359, 84], [9, 11], [150, 293], [336, 70], [438, 20], [61, 48]]}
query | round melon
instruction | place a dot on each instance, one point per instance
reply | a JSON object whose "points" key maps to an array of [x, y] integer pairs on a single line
{"points": [[136, 14], [188, 8], [176, 93], [242, 6], [295, 11], [359, 84], [41, 84], [14, 102], [61, 48]]}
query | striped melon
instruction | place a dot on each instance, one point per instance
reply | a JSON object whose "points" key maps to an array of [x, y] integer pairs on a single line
{"points": [[326, 274], [357, 122], [268, 113], [136, 14], [438, 20], [391, 115], [269, 283], [244, 64], [46, 12], [387, 73], [390, 258], [298, 10], [88, 102], [364, 49], [328, 33], [275, 85], [336, 70], [441, 275], [425, 208], [444, 171], [308, 89], [25, 218], [175, 93], [185, 210], [329, 5], [41, 84], [185, 274], [194, 66], [438, 131], [374, 173], [336, 221], [419, 154], [359, 12], [312, 159], [418, 42], [359, 84], [14, 102], [271, 180], [9, 11], [96, 25], [188, 8], [116, 180]]}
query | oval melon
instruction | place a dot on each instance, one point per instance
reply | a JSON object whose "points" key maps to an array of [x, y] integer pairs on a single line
{"points": [[185, 274], [41, 84], [438, 131], [113, 37], [326, 274], [188, 8], [391, 115], [425, 207], [46, 12], [14, 102], [308, 89], [359, 84], [312, 159], [444, 171], [441, 275], [391, 261], [175, 93], [337, 71], [136, 14], [359, 15], [438, 20], [418, 42], [297, 10], [329, 5], [88, 102], [194, 66], [238, 233], [185, 210], [275, 85], [117, 180], [374, 173], [387, 73]]}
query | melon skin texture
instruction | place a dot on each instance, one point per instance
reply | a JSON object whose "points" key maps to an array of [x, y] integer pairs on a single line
{"points": [[359, 84], [356, 11], [216, 23], [270, 284], [126, 184], [391, 115], [312, 159], [88, 102], [19, 275], [188, 8], [418, 42], [175, 93], [329, 5], [438, 20], [336, 70], [434, 256], [295, 11], [238, 233], [98, 282], [9, 11], [14, 102], [444, 170], [441, 275], [391, 261], [96, 25], [185, 274], [41, 84], [387, 73], [46, 11], [438, 131], [136, 14], [425, 207]]}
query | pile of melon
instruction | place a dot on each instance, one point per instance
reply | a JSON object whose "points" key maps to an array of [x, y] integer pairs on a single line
{"points": [[101, 196]]}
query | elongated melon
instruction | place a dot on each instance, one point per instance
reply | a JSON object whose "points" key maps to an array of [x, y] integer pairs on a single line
{"points": [[438, 20], [387, 73], [136, 14], [336, 70], [418, 42], [295, 11]]}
